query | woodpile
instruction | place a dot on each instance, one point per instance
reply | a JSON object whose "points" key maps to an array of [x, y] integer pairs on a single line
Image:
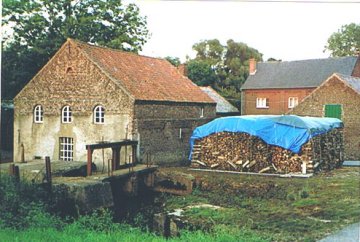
{"points": [[245, 153]]}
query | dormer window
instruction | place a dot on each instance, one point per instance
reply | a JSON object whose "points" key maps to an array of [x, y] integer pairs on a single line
{"points": [[66, 116], [38, 114], [99, 115]]}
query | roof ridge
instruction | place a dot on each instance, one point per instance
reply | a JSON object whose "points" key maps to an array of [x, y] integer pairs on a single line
{"points": [[315, 59], [112, 49]]}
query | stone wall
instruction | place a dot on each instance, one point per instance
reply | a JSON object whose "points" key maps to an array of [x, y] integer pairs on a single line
{"points": [[164, 129], [335, 91], [69, 79]]}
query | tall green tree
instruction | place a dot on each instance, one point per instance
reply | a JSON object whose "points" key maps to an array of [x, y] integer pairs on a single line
{"points": [[201, 73], [40, 27], [345, 42], [224, 67]]}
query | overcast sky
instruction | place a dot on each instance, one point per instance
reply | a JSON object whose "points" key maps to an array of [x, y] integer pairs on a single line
{"points": [[287, 31]]}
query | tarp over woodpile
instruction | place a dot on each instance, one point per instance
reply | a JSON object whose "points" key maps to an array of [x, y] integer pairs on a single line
{"points": [[287, 131]]}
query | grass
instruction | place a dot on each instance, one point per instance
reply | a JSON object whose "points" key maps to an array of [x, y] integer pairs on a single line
{"points": [[252, 208], [122, 233], [281, 209]]}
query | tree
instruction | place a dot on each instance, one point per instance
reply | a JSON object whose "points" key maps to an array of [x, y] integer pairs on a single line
{"points": [[230, 63], [224, 67], [345, 42], [40, 27], [201, 73], [175, 61]]}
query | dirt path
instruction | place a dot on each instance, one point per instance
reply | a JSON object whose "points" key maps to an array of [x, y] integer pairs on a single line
{"points": [[349, 234]]}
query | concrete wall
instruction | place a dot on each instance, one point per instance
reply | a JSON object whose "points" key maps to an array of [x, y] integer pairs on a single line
{"points": [[278, 100], [158, 129], [335, 91], [69, 79]]}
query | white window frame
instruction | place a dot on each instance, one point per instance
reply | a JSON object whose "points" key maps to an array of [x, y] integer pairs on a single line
{"points": [[38, 114], [261, 102], [66, 148], [201, 112], [66, 115], [293, 102], [99, 115]]}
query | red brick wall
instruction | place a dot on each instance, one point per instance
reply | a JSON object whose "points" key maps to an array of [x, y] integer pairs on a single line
{"points": [[335, 91], [278, 100]]}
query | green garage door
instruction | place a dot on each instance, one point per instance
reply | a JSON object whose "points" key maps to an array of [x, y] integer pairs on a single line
{"points": [[333, 111]]}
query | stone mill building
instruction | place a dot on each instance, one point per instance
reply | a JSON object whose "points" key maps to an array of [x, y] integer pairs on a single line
{"points": [[88, 94]]}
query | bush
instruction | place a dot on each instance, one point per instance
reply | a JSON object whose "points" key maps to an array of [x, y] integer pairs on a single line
{"points": [[22, 204]]}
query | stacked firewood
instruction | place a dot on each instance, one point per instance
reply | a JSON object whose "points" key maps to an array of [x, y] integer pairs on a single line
{"points": [[246, 153]]}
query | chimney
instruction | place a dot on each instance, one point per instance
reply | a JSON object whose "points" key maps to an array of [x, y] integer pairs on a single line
{"points": [[182, 69], [252, 66]]}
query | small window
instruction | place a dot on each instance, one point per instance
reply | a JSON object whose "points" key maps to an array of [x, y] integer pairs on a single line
{"points": [[99, 115], [66, 148], [262, 102], [293, 102], [201, 112], [38, 114], [66, 115]]}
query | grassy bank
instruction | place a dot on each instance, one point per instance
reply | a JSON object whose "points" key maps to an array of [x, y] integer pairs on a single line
{"points": [[280, 209], [249, 208]]}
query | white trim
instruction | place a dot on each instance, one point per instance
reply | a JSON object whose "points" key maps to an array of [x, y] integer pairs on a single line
{"points": [[66, 148], [261, 102], [38, 114], [99, 115], [201, 112], [293, 102], [66, 115]]}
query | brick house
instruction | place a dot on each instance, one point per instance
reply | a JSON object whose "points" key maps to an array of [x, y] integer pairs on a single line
{"points": [[338, 96], [277, 87], [87, 94]]}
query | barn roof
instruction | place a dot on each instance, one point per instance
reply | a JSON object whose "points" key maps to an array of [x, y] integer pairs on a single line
{"points": [[146, 78], [353, 82], [298, 74], [222, 105]]}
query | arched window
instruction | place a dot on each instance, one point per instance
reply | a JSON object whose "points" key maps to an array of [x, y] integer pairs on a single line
{"points": [[66, 115], [99, 115], [38, 114]]}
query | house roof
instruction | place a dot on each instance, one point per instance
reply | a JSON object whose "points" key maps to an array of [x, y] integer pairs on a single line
{"points": [[353, 82], [298, 74], [145, 78], [222, 105]]}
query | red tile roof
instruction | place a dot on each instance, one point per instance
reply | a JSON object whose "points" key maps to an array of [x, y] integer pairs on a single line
{"points": [[145, 78]]}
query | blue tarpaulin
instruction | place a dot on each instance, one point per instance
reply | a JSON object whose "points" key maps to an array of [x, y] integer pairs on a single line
{"points": [[287, 131]]}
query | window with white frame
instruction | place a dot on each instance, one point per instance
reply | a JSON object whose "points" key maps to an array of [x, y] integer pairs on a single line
{"points": [[66, 115], [38, 114], [66, 148], [293, 102], [262, 102], [99, 115]]}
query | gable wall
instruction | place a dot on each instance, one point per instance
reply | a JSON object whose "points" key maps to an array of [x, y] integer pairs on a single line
{"points": [[83, 87], [278, 100], [336, 92]]}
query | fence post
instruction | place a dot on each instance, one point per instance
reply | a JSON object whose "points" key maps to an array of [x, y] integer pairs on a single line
{"points": [[48, 170], [14, 171]]}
